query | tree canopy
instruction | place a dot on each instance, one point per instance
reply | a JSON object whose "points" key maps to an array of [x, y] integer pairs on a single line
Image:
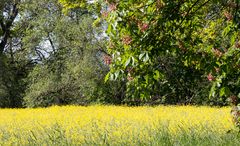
{"points": [[202, 37], [112, 51]]}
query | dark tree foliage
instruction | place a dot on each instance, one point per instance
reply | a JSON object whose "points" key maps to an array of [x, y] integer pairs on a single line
{"points": [[73, 63], [14, 67], [180, 51]]}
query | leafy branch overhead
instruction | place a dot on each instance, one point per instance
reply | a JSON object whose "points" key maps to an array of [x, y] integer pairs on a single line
{"points": [[202, 35]]}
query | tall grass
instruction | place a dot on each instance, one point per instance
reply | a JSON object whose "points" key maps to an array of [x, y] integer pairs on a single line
{"points": [[112, 125]]}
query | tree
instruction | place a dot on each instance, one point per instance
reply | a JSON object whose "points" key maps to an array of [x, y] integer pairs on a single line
{"points": [[13, 64], [8, 13], [70, 69], [201, 37]]}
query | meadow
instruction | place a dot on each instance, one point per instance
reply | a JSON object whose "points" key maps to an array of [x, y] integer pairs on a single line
{"points": [[118, 125]]}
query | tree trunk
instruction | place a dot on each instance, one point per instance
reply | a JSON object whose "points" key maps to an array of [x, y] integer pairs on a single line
{"points": [[6, 26]]}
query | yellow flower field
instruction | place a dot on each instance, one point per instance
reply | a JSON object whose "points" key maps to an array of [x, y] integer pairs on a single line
{"points": [[115, 125]]}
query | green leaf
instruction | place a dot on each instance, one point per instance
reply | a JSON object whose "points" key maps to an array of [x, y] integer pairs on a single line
{"points": [[141, 55], [226, 30], [142, 96], [107, 77], [146, 58], [133, 61], [224, 91], [111, 76], [156, 75], [146, 79], [116, 74], [213, 90], [233, 38], [127, 62]]}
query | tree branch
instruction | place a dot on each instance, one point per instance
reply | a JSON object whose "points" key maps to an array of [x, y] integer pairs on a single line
{"points": [[51, 42], [6, 27]]}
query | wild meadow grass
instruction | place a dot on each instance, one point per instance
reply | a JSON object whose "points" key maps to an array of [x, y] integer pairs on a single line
{"points": [[118, 125]]}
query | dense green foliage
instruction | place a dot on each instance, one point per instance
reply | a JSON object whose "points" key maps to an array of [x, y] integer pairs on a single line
{"points": [[53, 57], [14, 67], [173, 51], [134, 52], [73, 71], [201, 38]]}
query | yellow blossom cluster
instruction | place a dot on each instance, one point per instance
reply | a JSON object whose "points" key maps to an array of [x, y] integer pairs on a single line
{"points": [[100, 124]]}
